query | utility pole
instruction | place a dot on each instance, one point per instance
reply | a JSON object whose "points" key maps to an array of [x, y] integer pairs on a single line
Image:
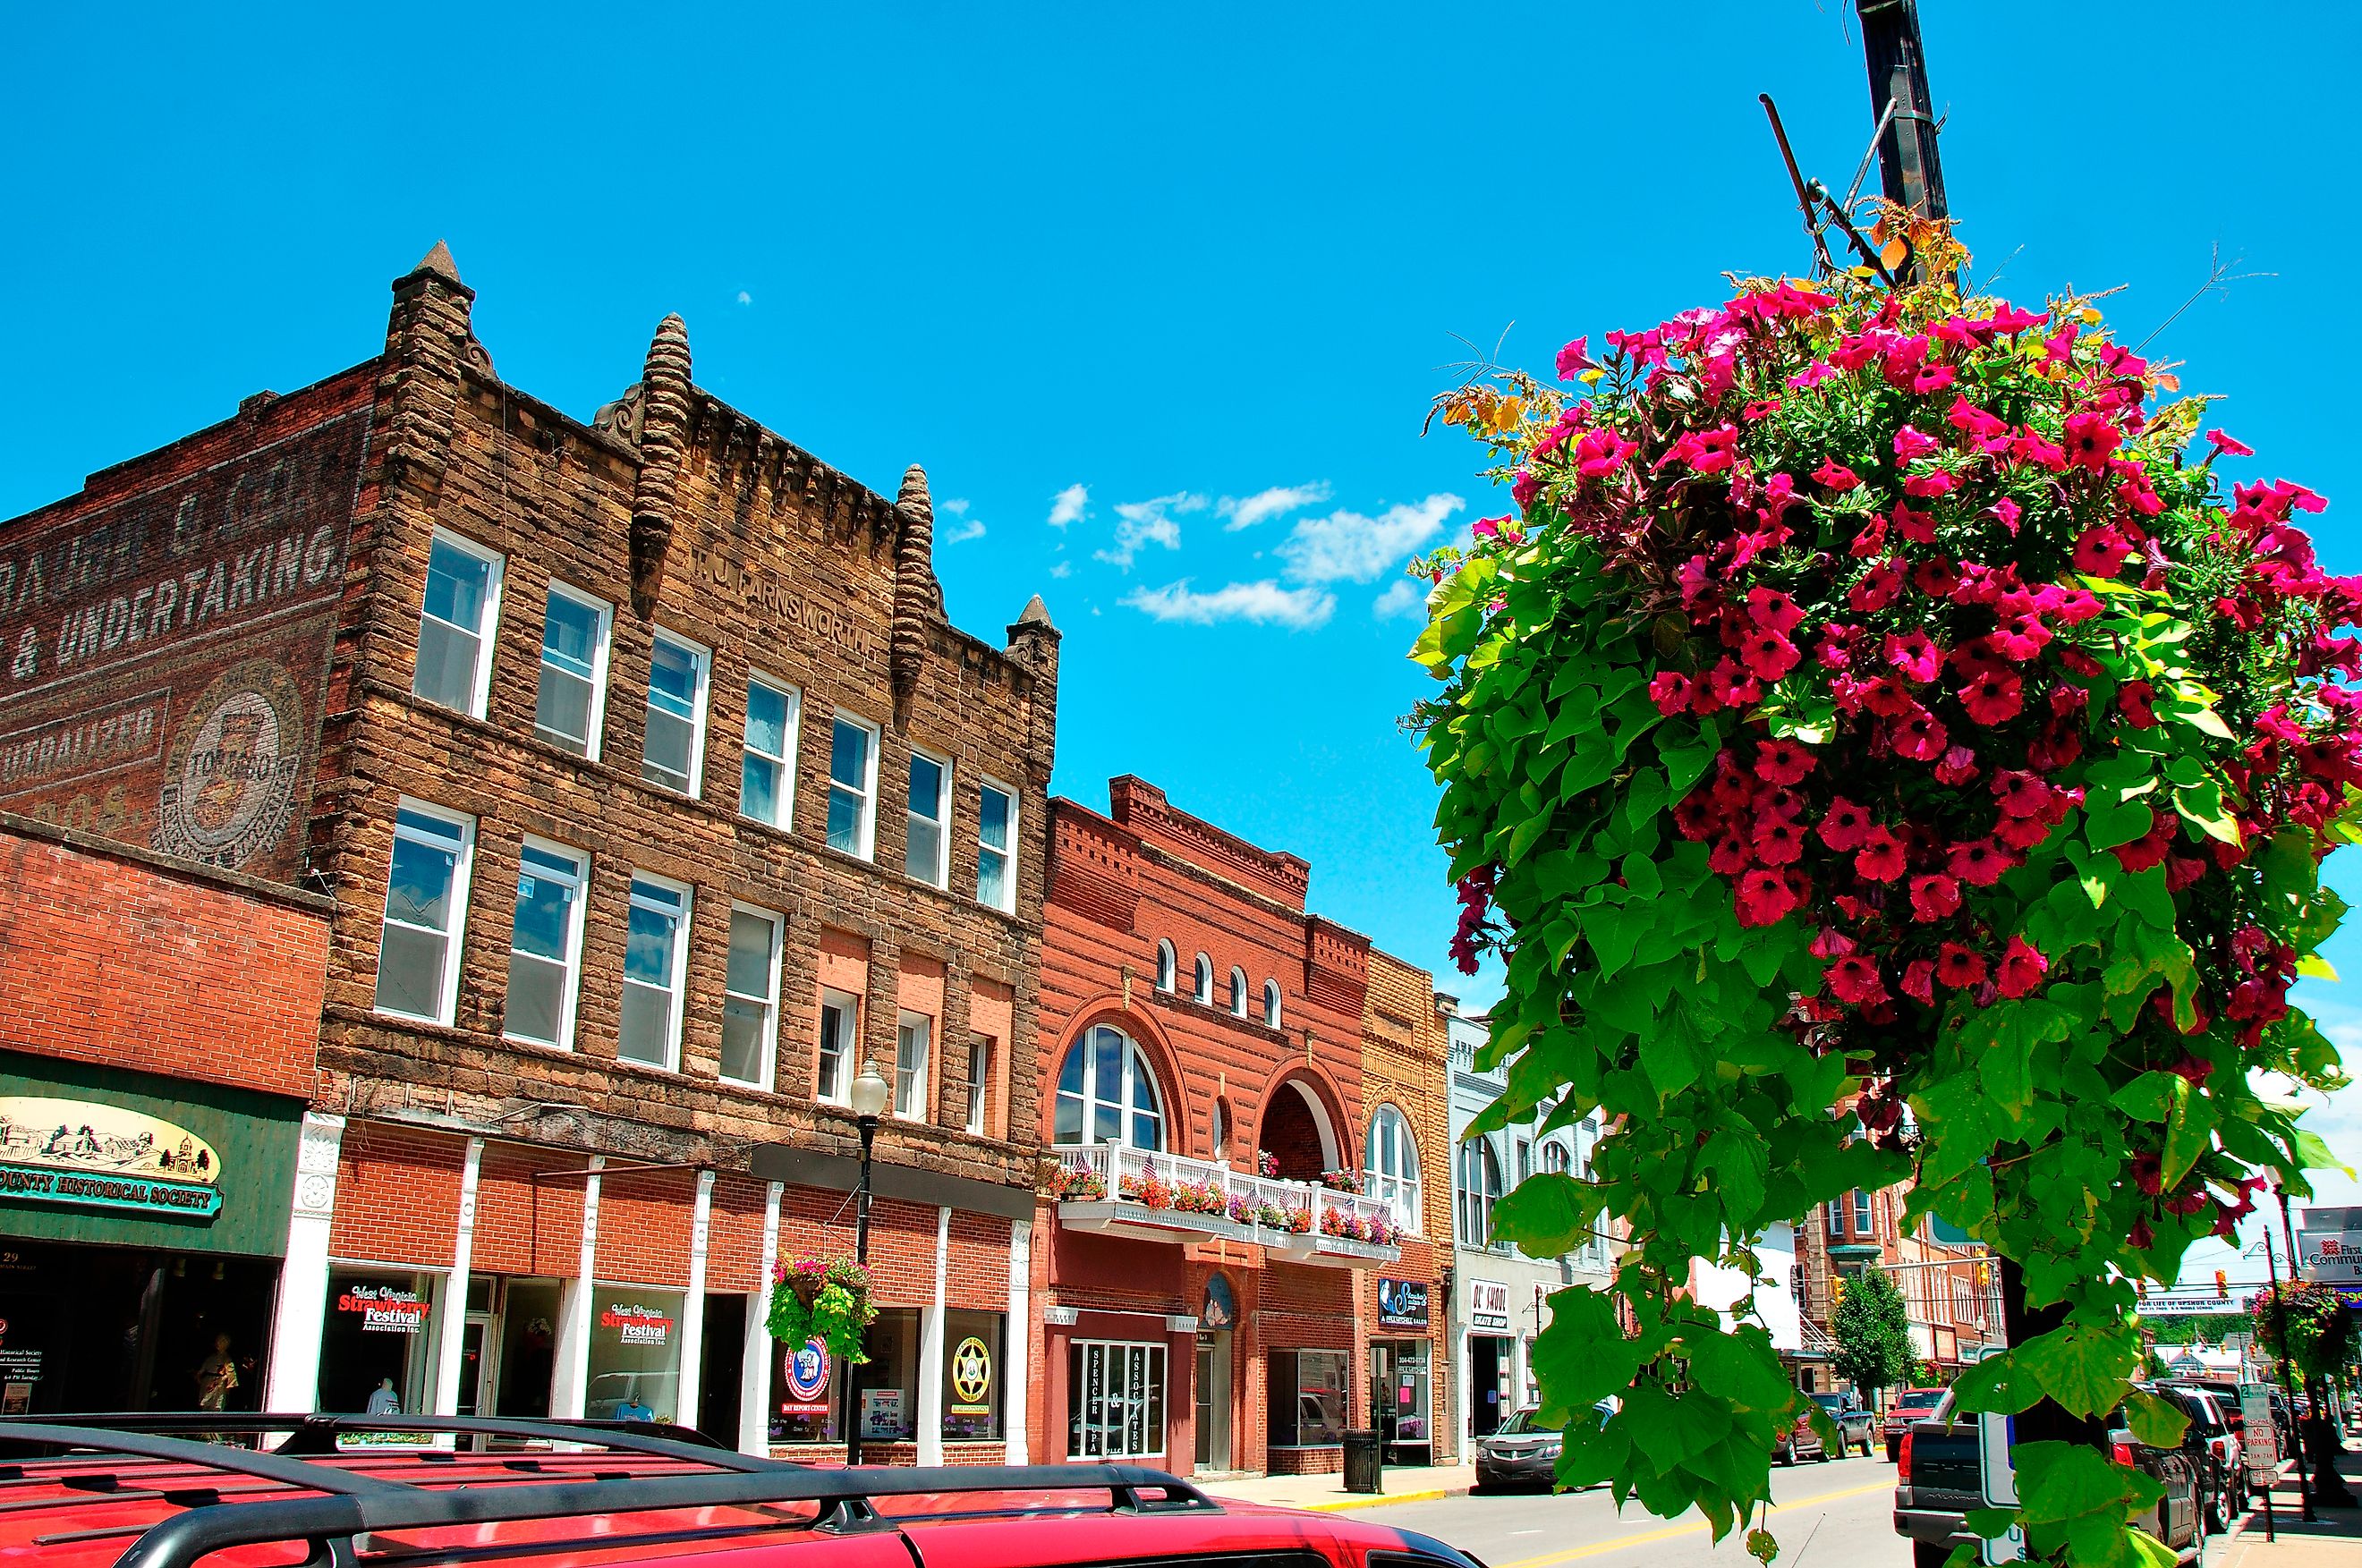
{"points": [[1908, 167]]}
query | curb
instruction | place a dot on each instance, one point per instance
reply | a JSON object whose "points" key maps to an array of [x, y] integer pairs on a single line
{"points": [[1380, 1501]]}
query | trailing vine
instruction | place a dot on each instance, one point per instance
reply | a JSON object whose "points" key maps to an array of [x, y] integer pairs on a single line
{"points": [[826, 1300], [1878, 749]]}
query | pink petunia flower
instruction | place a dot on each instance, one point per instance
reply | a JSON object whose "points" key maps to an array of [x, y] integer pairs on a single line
{"points": [[1783, 761], [2136, 700], [1959, 968], [1773, 610], [1836, 476], [1880, 858], [2021, 968], [1918, 735], [1978, 862], [1854, 979], [1911, 443], [1575, 359], [1844, 826], [2224, 443], [1914, 654], [1768, 655], [2091, 439], [1672, 692], [1934, 896], [1993, 698]]}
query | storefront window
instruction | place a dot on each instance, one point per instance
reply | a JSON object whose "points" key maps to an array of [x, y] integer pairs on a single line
{"points": [[376, 1342], [528, 1348], [806, 1402], [889, 1381], [1307, 1397], [1115, 1401], [972, 1360], [635, 1355]]}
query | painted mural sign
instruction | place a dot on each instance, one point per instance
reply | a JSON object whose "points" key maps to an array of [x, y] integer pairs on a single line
{"points": [[89, 1153], [162, 652]]}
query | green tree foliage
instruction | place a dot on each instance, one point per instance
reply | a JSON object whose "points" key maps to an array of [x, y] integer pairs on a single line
{"points": [[1873, 1331]]}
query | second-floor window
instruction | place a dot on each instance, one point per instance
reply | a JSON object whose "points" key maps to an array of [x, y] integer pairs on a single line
{"points": [[926, 851], [840, 1019], [571, 699], [425, 910], [1271, 1005], [454, 626], [545, 944], [1238, 994], [912, 1038], [1480, 1188], [1862, 1227], [750, 1002], [676, 732], [1107, 1093], [766, 776], [1391, 1166], [852, 786], [995, 847], [656, 946], [1165, 965], [1201, 981]]}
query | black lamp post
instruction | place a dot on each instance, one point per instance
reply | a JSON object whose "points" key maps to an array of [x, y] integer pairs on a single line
{"points": [[869, 1095]]}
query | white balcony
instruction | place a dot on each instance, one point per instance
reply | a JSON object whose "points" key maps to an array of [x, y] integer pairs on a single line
{"points": [[1172, 1198]]}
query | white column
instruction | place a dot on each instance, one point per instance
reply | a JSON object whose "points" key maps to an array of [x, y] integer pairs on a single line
{"points": [[299, 1315], [931, 1351], [571, 1388], [692, 1381], [451, 1328], [754, 1372], [1016, 1385]]}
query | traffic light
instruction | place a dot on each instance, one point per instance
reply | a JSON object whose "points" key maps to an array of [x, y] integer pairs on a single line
{"points": [[2222, 1285], [1836, 1293]]}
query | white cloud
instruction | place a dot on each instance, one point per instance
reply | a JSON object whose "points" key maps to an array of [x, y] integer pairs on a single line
{"points": [[1346, 546], [1265, 505], [1403, 599], [967, 527], [745, 298], [1262, 604], [1148, 522], [1066, 506], [1063, 569]]}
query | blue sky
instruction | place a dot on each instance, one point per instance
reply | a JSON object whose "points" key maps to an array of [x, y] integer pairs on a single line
{"points": [[1198, 271]]}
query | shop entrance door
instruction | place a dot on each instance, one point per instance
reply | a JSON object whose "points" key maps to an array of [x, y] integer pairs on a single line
{"points": [[1489, 1382], [1214, 1399], [479, 1343]]}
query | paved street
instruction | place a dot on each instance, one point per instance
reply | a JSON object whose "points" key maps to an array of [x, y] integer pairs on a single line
{"points": [[1839, 1514]]}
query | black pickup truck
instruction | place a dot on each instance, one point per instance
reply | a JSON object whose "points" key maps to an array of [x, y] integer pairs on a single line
{"points": [[1938, 1482]]}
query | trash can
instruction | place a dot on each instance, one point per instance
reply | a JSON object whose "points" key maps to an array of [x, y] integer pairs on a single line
{"points": [[1366, 1463]]}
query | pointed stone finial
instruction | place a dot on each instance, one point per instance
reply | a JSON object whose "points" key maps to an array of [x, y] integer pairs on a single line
{"points": [[439, 261], [664, 436], [1035, 613], [914, 496], [915, 594]]}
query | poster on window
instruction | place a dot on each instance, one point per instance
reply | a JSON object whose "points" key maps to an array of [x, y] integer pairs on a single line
{"points": [[383, 1309], [806, 1388], [882, 1412]]}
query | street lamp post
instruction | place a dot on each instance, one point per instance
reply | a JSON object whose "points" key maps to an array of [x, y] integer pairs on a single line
{"points": [[869, 1092]]}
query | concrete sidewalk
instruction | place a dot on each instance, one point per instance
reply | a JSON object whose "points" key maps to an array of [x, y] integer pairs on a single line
{"points": [[2332, 1540], [1327, 1493]]}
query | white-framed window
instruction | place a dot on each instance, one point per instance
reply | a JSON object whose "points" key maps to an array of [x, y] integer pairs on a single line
{"points": [[926, 850], [1480, 1188], [1863, 1226], [914, 1032], [750, 996], [1107, 1093], [1556, 1161], [672, 753], [426, 912], [996, 845], [840, 1031], [1165, 965], [456, 624], [546, 944], [1239, 993], [1525, 1159], [767, 776], [656, 952], [569, 705], [980, 1080], [1115, 1399], [1221, 1130], [1271, 1005], [1390, 1166], [1201, 981], [852, 786]]}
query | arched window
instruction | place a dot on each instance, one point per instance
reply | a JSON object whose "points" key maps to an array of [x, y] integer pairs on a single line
{"points": [[1202, 983], [1271, 1005], [1480, 1188], [1221, 1129], [1238, 994], [1390, 1166], [1107, 1093], [1163, 966], [1556, 1161]]}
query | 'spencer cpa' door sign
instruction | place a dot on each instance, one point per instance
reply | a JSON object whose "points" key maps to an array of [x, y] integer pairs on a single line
{"points": [[1997, 1479], [107, 1156]]}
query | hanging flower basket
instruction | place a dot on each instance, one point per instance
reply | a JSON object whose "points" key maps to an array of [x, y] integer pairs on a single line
{"points": [[822, 1298]]}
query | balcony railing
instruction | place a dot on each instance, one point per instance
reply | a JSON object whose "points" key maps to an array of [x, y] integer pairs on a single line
{"points": [[1170, 1197]]}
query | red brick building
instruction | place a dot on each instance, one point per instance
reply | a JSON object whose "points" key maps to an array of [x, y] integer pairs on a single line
{"points": [[652, 794], [1214, 1273], [158, 1025]]}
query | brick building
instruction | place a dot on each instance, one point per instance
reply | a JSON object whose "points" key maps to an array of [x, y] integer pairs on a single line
{"points": [[157, 1022], [1949, 1292], [654, 793], [1239, 1100]]}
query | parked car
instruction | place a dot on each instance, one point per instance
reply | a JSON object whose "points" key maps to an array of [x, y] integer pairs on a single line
{"points": [[1854, 1424], [1522, 1451], [1801, 1441], [1938, 1481], [2214, 1447], [150, 1485], [1903, 1407]]}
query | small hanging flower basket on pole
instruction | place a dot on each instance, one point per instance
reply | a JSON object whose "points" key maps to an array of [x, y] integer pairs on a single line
{"points": [[822, 1298]]}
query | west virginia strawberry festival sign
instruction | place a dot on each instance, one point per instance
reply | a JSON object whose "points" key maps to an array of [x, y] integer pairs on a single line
{"points": [[1882, 744]]}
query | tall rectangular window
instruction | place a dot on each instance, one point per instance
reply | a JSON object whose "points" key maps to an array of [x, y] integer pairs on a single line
{"points": [[852, 786], [545, 944], [572, 698], [925, 851], [1115, 1399], [670, 753], [910, 1039], [1863, 1228], [995, 847], [425, 913], [766, 777], [656, 944], [979, 1081], [455, 627], [840, 1021], [750, 1003]]}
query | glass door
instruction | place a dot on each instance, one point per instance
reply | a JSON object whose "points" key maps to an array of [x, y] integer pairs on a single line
{"points": [[1117, 1395], [1213, 1393], [478, 1348]]}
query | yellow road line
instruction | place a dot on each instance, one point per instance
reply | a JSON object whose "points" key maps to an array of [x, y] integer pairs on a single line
{"points": [[1645, 1537]]}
